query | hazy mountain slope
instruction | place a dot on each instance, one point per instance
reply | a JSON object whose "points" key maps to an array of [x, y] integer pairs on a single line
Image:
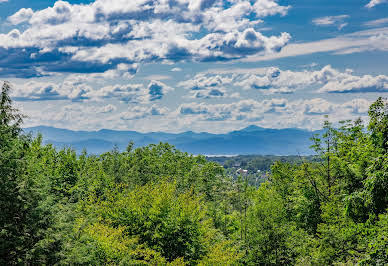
{"points": [[251, 140]]}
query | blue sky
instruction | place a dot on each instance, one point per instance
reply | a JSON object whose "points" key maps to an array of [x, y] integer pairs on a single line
{"points": [[201, 65]]}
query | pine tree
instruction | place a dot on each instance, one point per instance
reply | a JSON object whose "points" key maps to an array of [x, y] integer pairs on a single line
{"points": [[11, 168]]}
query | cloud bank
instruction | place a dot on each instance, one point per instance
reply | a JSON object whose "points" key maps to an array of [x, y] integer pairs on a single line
{"points": [[273, 80], [222, 117], [105, 33]]}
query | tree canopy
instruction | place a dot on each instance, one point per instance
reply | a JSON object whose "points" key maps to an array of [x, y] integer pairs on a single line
{"points": [[156, 205]]}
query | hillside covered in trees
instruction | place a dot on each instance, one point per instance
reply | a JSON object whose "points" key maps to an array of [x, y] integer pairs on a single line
{"points": [[249, 140], [155, 205]]}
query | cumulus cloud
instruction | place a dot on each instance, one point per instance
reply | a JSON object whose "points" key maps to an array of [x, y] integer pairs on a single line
{"points": [[220, 85], [217, 112], [358, 106], [43, 91], [122, 70], [317, 106], [108, 108], [338, 21], [208, 93], [207, 86], [23, 15], [78, 88], [130, 93], [201, 81], [106, 33], [37, 91], [214, 46], [374, 3], [139, 112], [347, 83], [265, 8], [276, 81]]}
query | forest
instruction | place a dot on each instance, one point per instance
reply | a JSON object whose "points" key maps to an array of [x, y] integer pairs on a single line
{"points": [[156, 205]]}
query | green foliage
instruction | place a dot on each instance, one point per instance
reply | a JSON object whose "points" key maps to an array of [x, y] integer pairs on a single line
{"points": [[378, 113], [270, 233], [170, 223], [156, 205], [14, 202]]}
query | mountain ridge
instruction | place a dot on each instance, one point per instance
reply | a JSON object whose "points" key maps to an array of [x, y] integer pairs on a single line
{"points": [[249, 140]]}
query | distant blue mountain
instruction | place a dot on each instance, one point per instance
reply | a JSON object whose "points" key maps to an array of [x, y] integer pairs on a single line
{"points": [[250, 140]]}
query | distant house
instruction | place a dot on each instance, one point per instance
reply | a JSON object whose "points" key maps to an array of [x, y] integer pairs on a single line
{"points": [[241, 171]]}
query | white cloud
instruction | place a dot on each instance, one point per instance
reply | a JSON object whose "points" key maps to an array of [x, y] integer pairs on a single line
{"points": [[201, 81], [176, 69], [157, 77], [122, 70], [226, 84], [358, 106], [276, 81], [82, 87], [368, 40], [376, 22], [208, 93], [139, 112], [221, 71], [317, 106], [231, 19], [42, 91], [23, 15], [338, 21], [211, 47], [37, 91], [108, 108], [374, 3], [139, 31], [208, 86], [130, 93], [347, 83], [197, 116], [265, 8], [331, 79]]}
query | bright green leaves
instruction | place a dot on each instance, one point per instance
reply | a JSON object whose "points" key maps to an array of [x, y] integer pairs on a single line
{"points": [[271, 235], [153, 218], [378, 125]]}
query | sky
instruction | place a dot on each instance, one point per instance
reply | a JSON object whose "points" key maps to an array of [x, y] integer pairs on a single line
{"points": [[193, 65]]}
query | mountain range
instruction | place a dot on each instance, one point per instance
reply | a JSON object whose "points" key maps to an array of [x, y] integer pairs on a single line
{"points": [[250, 140]]}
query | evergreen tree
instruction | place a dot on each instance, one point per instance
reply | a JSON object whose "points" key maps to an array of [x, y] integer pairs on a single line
{"points": [[12, 165]]}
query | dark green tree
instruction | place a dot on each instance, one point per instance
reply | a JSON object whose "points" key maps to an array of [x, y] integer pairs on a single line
{"points": [[12, 165]]}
